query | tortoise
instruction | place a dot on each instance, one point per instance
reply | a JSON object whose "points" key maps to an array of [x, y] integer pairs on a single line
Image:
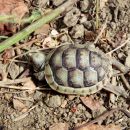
{"points": [[79, 69]]}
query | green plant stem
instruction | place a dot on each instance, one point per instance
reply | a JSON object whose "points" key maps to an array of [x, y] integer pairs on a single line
{"points": [[37, 24], [5, 17], [13, 19]]}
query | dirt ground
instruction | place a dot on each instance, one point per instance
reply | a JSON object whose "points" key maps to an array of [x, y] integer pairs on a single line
{"points": [[45, 109]]}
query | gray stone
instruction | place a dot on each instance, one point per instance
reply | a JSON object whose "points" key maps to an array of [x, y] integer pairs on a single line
{"points": [[72, 17], [53, 101], [77, 31], [84, 5]]}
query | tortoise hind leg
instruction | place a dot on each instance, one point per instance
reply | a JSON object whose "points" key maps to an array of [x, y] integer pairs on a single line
{"points": [[120, 66], [117, 90]]}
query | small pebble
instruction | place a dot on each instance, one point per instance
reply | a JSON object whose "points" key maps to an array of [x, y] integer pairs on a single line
{"points": [[11, 116], [65, 115], [75, 120], [64, 104], [72, 17], [37, 95], [80, 107], [8, 117], [53, 101], [84, 5], [37, 125], [77, 31], [83, 18], [63, 38]]}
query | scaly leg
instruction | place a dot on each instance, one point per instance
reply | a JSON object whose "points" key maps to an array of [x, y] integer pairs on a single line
{"points": [[117, 90]]}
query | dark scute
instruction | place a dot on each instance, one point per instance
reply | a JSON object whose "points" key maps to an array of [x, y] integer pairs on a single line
{"points": [[90, 77], [56, 78], [69, 58], [88, 84], [51, 62], [82, 58], [59, 82], [75, 78], [95, 59], [101, 73]]}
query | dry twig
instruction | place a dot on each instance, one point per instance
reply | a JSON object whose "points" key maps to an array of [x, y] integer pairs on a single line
{"points": [[125, 81], [104, 116], [102, 30], [24, 99], [16, 81], [25, 114], [121, 45]]}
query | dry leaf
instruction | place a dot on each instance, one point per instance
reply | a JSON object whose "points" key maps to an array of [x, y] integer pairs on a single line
{"points": [[30, 86], [20, 8], [59, 126], [49, 43], [44, 30], [91, 103], [8, 54], [18, 105], [11, 7], [13, 70], [100, 127], [16, 7]]}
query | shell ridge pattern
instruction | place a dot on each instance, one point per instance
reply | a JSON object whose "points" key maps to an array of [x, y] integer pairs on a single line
{"points": [[76, 67]]}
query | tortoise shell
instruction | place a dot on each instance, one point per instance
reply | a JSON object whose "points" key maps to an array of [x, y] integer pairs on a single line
{"points": [[77, 69]]}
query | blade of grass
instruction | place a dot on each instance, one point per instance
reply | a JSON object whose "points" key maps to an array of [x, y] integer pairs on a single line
{"points": [[37, 24], [13, 19]]}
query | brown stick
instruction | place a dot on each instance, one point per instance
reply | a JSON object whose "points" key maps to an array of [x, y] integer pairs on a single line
{"points": [[125, 82], [102, 117]]}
